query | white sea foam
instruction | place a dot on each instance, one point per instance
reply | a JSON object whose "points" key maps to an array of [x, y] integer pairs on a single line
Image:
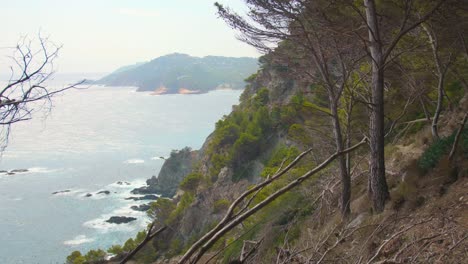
{"points": [[78, 240], [158, 158], [68, 192], [102, 226], [134, 161], [40, 170]]}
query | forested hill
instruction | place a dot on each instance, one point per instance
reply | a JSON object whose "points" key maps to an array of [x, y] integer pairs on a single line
{"points": [[176, 73], [349, 145]]}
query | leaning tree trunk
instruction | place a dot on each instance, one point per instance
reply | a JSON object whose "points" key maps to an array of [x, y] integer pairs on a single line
{"points": [[440, 83], [377, 183], [344, 175]]}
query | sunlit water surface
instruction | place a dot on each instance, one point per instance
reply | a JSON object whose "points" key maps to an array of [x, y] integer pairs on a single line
{"points": [[90, 140]]}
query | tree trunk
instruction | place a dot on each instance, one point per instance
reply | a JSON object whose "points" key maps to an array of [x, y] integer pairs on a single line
{"points": [[344, 175], [440, 84], [378, 189]]}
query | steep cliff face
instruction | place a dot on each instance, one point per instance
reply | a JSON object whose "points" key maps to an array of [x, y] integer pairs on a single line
{"points": [[173, 171], [278, 118]]}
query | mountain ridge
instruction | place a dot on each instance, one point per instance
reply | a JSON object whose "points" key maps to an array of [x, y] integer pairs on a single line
{"points": [[182, 73]]}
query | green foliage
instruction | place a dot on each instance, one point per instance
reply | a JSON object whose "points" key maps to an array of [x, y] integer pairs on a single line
{"points": [[161, 210], [129, 245], [95, 255], [116, 250], [186, 199], [280, 154], [441, 147], [245, 148], [76, 258], [191, 181], [261, 98], [220, 206], [298, 133], [239, 137]]}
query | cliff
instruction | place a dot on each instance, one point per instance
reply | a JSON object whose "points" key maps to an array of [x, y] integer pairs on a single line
{"points": [[173, 171]]}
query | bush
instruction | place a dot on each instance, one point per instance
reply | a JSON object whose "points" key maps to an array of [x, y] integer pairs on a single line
{"points": [[190, 182], [116, 250], [441, 147], [95, 256], [76, 258], [220, 206], [161, 209]]}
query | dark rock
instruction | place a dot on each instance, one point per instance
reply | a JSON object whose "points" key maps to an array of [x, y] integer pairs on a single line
{"points": [[104, 192], [19, 170], [10, 173], [173, 171], [88, 195], [3, 171], [64, 191], [146, 197], [120, 220], [141, 208], [122, 183]]}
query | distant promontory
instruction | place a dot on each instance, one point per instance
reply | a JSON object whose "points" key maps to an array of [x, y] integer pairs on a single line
{"points": [[181, 73]]}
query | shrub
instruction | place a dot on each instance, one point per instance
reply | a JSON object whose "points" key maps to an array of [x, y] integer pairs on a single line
{"points": [[220, 205], [76, 258], [95, 255], [190, 182], [116, 250], [161, 209], [441, 147]]}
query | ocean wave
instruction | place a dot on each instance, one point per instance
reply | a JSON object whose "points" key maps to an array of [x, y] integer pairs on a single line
{"points": [[68, 192], [101, 225], [158, 158], [78, 240], [134, 161]]}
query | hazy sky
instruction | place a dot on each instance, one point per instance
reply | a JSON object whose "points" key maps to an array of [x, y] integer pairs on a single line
{"points": [[102, 35]]}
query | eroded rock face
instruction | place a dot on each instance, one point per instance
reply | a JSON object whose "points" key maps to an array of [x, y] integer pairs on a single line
{"points": [[173, 171], [120, 220]]}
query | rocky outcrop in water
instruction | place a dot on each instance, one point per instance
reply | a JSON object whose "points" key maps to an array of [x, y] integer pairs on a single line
{"points": [[120, 220], [175, 168], [141, 207], [60, 192], [146, 197]]}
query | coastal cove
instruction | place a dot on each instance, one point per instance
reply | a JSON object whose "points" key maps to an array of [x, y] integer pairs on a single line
{"points": [[76, 168]]}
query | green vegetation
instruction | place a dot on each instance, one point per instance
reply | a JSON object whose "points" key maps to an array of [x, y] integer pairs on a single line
{"points": [[177, 71], [93, 256], [441, 147], [239, 137]]}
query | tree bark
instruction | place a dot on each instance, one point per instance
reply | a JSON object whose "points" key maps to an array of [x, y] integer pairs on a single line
{"points": [[345, 179], [440, 84], [378, 189]]}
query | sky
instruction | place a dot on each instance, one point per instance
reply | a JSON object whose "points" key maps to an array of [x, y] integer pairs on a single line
{"points": [[99, 36]]}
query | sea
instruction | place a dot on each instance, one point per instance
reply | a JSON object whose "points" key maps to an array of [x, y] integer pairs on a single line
{"points": [[83, 142]]}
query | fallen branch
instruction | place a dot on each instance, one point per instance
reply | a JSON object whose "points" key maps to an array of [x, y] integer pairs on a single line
{"points": [[229, 214], [397, 234], [149, 236], [210, 240]]}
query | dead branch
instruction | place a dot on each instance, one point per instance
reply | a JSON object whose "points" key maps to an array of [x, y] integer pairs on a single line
{"points": [[397, 234], [239, 219], [149, 235], [457, 137]]}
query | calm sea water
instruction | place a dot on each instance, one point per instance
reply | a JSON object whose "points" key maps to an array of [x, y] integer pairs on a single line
{"points": [[92, 139]]}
